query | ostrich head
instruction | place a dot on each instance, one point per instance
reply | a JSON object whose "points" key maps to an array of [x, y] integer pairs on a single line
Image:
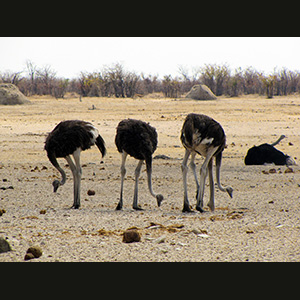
{"points": [[56, 184], [229, 190], [159, 199], [290, 161]]}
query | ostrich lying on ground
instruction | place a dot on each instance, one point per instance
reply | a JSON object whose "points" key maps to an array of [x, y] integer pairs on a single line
{"points": [[70, 138], [203, 135], [267, 154], [139, 140]]}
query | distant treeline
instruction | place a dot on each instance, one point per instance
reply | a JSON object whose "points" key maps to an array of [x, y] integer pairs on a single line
{"points": [[116, 81]]}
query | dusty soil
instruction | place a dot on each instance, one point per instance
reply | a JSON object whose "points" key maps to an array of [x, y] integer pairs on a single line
{"points": [[260, 223]]}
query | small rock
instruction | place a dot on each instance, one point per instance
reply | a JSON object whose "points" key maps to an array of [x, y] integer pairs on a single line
{"points": [[182, 244], [160, 240], [203, 235], [33, 252], [131, 236], [7, 188], [196, 231], [91, 192], [272, 171], [28, 256], [2, 211], [289, 170], [43, 211], [161, 156], [4, 245]]}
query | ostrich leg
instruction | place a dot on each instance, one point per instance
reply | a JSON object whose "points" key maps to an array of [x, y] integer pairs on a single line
{"points": [[77, 182], [123, 172], [211, 203], [184, 168], [76, 178], [137, 175], [203, 174], [193, 167]]}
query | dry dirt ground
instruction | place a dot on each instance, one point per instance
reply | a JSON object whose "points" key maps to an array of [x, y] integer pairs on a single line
{"points": [[260, 223]]}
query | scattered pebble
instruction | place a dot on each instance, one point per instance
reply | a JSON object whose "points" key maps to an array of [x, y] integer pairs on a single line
{"points": [[196, 231], [160, 240], [289, 170], [161, 156], [182, 244], [91, 192], [28, 256], [131, 236], [43, 211], [33, 252], [7, 188], [4, 245], [203, 235]]}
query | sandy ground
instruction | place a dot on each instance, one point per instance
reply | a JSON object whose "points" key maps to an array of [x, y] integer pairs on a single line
{"points": [[260, 223]]}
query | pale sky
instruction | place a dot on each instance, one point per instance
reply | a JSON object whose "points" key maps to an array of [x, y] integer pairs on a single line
{"points": [[68, 56]]}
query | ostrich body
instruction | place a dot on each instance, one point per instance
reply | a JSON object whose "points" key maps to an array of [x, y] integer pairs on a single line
{"points": [[203, 135], [70, 138], [139, 140], [267, 154]]}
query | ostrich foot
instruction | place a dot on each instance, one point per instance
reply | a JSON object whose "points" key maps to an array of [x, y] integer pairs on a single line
{"points": [[137, 207]]}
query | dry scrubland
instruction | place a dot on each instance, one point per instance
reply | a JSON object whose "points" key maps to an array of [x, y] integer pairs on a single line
{"points": [[260, 223]]}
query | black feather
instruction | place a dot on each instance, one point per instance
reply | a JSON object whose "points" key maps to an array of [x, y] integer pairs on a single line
{"points": [[265, 153], [137, 138], [206, 127], [68, 136]]}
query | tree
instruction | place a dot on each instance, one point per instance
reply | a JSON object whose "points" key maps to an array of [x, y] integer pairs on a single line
{"points": [[268, 82], [11, 77], [171, 87], [31, 69], [60, 87], [116, 76], [46, 76]]}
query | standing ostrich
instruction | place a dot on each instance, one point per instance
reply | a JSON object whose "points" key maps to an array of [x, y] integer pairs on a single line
{"points": [[70, 138], [203, 135], [139, 140]]}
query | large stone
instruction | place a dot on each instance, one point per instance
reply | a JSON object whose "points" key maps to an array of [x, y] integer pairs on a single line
{"points": [[4, 245], [11, 95]]}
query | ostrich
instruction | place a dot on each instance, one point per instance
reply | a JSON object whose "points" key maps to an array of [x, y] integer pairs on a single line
{"points": [[266, 154], [139, 140], [203, 135], [70, 138]]}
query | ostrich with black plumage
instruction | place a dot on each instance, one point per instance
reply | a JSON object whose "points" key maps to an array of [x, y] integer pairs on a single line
{"points": [[70, 138], [268, 154], [205, 136], [139, 140]]}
